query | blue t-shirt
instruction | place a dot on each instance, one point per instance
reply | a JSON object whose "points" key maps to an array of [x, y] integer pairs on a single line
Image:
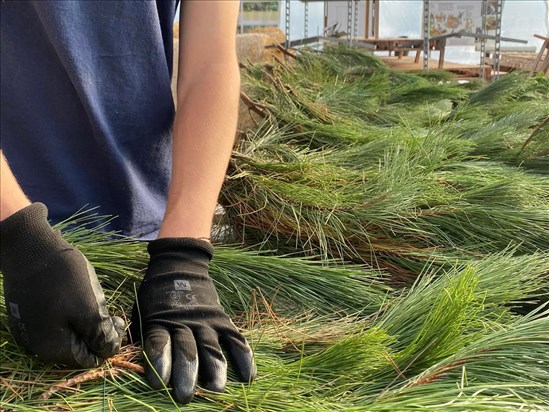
{"points": [[87, 108]]}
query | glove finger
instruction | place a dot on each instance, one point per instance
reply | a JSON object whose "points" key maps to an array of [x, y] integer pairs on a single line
{"points": [[81, 355], [119, 325], [101, 336], [64, 347], [93, 324], [158, 362], [184, 364], [213, 365], [240, 353]]}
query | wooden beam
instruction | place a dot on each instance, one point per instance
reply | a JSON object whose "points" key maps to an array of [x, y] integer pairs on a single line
{"points": [[367, 21], [376, 18]]}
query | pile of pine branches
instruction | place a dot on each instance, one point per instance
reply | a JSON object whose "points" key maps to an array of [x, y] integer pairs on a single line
{"points": [[394, 251], [351, 160], [326, 338]]}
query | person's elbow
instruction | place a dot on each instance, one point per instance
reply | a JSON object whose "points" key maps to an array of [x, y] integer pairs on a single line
{"points": [[221, 73]]}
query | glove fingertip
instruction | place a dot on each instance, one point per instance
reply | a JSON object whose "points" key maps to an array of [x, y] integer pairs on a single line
{"points": [[185, 365], [154, 377], [214, 373], [183, 393], [119, 325], [216, 385], [108, 343], [247, 369], [158, 362], [82, 356], [242, 358]]}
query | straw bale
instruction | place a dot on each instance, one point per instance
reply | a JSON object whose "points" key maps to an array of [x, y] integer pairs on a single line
{"points": [[246, 118], [255, 48], [274, 32]]}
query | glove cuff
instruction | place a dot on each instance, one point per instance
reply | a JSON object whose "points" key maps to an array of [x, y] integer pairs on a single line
{"points": [[27, 235], [179, 245]]}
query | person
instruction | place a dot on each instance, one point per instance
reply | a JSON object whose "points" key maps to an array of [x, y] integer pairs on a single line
{"points": [[86, 118]]}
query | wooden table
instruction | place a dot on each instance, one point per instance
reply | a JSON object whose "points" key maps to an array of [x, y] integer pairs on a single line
{"points": [[402, 45]]}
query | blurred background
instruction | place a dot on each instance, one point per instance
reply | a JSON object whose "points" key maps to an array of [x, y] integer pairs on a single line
{"points": [[521, 19]]}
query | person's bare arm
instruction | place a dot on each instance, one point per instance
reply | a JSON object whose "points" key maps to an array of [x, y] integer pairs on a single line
{"points": [[12, 197], [207, 110], [186, 330]]}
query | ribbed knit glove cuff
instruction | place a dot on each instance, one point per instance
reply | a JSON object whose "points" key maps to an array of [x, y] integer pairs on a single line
{"points": [[179, 257], [27, 236], [200, 249]]}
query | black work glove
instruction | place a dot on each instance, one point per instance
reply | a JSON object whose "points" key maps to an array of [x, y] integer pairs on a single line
{"points": [[56, 307], [183, 324]]}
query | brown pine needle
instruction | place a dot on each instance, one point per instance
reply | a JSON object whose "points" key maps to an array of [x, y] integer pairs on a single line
{"points": [[127, 365], [6, 383], [538, 128], [119, 362], [254, 106], [75, 381], [285, 51]]}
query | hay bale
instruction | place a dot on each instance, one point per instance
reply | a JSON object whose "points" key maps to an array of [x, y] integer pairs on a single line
{"points": [[247, 120], [254, 48], [250, 47], [274, 32]]}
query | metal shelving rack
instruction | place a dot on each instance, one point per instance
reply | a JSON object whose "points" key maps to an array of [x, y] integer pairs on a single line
{"points": [[355, 21], [499, 9], [306, 19], [483, 40], [353, 24], [350, 21], [426, 35], [287, 18]]}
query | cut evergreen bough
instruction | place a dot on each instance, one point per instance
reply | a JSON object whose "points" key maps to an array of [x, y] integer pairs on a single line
{"points": [[449, 341], [358, 162]]}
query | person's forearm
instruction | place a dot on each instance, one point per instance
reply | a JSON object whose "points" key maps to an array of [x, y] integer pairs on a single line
{"points": [[12, 198], [204, 131]]}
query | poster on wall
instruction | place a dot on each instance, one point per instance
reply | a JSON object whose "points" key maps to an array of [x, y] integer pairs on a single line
{"points": [[461, 15], [256, 14]]}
